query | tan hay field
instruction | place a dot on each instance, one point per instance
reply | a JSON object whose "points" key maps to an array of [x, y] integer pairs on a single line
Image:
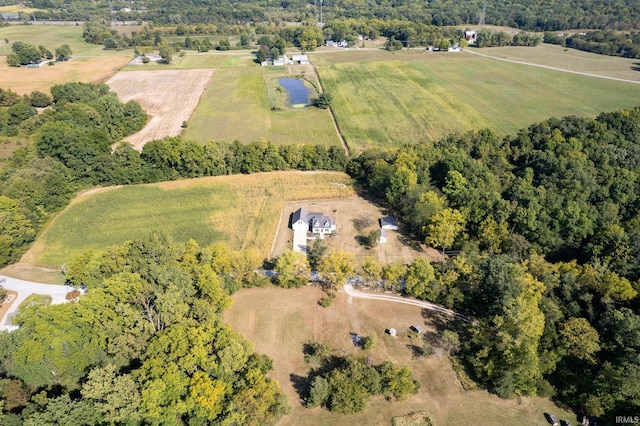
{"points": [[280, 321], [168, 96], [240, 210], [86, 70]]}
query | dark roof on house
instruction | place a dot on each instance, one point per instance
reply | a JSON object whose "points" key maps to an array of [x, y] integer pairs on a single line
{"points": [[300, 214], [388, 221], [319, 220]]}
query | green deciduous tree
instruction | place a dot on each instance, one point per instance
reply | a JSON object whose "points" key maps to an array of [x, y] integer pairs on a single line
{"points": [[292, 269], [445, 226], [420, 280], [336, 268]]}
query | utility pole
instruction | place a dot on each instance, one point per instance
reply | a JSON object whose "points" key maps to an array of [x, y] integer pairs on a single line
{"points": [[321, 2]]}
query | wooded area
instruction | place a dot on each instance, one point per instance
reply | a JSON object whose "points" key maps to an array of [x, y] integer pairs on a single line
{"points": [[548, 224], [538, 15], [145, 345]]}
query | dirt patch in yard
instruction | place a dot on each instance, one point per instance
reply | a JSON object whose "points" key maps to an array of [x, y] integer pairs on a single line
{"points": [[346, 212], [8, 301], [168, 96]]}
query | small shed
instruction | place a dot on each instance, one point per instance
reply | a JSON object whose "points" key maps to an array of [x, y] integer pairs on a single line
{"points": [[389, 222], [392, 332]]}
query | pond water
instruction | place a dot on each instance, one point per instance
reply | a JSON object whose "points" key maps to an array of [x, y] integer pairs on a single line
{"points": [[298, 93]]}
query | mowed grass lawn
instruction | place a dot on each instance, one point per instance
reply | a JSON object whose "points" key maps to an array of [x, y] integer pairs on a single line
{"points": [[241, 210], [280, 321], [419, 96], [236, 106]]}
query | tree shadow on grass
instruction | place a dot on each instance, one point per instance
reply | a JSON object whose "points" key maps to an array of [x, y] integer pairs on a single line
{"points": [[301, 385], [636, 66]]}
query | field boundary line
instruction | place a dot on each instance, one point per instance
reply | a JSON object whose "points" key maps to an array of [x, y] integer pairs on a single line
{"points": [[513, 61], [333, 117]]}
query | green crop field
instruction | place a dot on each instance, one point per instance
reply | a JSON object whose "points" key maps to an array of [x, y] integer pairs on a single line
{"points": [[242, 211], [382, 99], [52, 36], [202, 60], [236, 106]]}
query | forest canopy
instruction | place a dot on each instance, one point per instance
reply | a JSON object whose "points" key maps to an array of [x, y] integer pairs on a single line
{"points": [[537, 15]]}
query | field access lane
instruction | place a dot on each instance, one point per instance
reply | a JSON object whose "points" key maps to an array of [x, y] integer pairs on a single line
{"points": [[348, 288], [513, 61]]}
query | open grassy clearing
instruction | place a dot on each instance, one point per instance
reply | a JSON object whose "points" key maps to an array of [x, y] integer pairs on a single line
{"points": [[280, 321], [419, 96], [201, 60], [52, 36], [570, 59], [236, 106], [240, 210]]}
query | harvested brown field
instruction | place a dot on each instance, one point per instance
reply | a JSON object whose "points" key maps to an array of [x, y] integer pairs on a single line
{"points": [[168, 96], [25, 80]]}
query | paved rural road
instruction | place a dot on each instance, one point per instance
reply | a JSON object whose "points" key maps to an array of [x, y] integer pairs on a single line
{"points": [[549, 68], [348, 288], [27, 288]]}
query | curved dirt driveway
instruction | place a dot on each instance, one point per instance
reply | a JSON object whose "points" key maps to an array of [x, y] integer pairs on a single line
{"points": [[348, 288]]}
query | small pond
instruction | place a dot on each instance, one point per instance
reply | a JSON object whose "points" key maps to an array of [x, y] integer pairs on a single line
{"points": [[298, 93]]}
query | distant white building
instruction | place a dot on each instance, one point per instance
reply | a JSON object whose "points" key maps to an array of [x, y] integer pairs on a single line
{"points": [[301, 59]]}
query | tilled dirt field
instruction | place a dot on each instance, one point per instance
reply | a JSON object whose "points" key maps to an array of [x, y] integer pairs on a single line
{"points": [[169, 97]]}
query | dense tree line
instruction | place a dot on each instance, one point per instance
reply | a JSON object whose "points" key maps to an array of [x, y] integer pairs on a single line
{"points": [[488, 38], [27, 53], [547, 221], [536, 15], [610, 43], [145, 345]]}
